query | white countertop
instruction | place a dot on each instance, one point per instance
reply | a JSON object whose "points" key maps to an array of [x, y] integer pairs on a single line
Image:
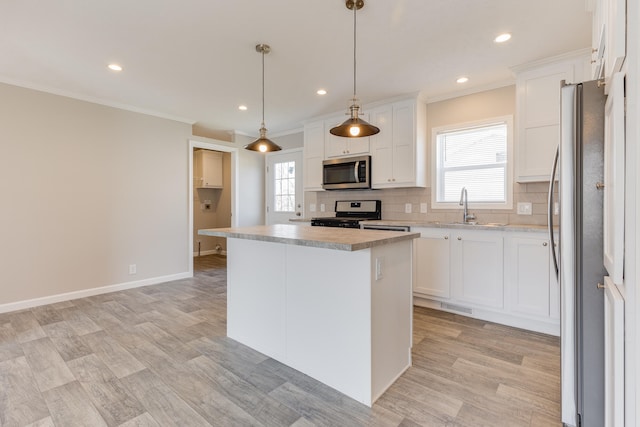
{"points": [[479, 226], [344, 239]]}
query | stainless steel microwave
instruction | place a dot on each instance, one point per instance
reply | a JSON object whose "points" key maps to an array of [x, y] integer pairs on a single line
{"points": [[349, 173]]}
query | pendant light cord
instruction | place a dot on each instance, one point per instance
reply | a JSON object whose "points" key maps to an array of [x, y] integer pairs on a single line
{"points": [[355, 8], [262, 86]]}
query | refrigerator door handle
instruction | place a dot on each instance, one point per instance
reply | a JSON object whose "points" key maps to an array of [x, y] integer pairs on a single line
{"points": [[550, 210]]}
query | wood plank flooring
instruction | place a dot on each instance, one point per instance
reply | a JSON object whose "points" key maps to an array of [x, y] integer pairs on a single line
{"points": [[158, 356]]}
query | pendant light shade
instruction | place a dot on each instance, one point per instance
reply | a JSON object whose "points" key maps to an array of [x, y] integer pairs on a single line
{"points": [[354, 126], [263, 144]]}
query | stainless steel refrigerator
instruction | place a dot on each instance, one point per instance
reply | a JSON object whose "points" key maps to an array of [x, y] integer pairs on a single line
{"points": [[579, 261]]}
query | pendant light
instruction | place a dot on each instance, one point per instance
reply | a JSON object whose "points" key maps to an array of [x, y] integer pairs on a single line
{"points": [[263, 144], [354, 127]]}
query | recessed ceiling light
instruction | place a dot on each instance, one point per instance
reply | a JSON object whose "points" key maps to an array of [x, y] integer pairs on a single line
{"points": [[242, 108], [462, 80], [502, 38], [321, 92], [115, 67]]}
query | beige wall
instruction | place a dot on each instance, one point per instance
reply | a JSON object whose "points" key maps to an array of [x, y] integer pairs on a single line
{"points": [[492, 103], [86, 191]]}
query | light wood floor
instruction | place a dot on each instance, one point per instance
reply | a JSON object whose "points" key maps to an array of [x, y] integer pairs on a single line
{"points": [[158, 356]]}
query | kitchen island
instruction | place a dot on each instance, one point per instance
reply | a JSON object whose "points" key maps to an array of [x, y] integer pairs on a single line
{"points": [[333, 303]]}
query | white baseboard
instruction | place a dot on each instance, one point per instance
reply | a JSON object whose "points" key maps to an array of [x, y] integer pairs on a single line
{"points": [[21, 305], [547, 326]]}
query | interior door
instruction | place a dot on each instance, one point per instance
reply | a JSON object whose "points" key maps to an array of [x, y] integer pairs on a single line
{"points": [[284, 199]]}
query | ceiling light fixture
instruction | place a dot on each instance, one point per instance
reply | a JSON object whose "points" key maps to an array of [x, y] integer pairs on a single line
{"points": [[115, 67], [502, 38], [354, 127], [263, 144], [462, 80], [321, 92], [242, 108]]}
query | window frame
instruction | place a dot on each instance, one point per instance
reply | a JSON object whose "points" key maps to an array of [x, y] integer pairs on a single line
{"points": [[435, 173]]}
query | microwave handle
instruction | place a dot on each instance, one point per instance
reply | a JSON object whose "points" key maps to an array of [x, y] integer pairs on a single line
{"points": [[355, 171]]}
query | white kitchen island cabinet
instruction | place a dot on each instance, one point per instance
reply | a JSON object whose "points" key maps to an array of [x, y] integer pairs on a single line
{"points": [[335, 304]]}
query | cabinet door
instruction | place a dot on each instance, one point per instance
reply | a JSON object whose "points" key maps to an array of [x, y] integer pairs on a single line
{"points": [[527, 268], [313, 155], [538, 115], [613, 355], [432, 263], [614, 147], [208, 169], [615, 34], [382, 147], [404, 142], [476, 268]]}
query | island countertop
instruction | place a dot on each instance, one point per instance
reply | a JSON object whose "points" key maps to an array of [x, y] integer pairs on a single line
{"points": [[344, 239]]}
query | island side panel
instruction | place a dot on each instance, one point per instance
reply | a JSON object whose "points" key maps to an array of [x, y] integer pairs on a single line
{"points": [[256, 295], [392, 314], [329, 317]]}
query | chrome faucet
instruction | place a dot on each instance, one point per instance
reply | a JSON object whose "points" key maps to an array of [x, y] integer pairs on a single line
{"points": [[466, 216]]}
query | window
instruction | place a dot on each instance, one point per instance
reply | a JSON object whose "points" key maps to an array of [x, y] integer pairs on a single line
{"points": [[285, 186], [476, 156]]}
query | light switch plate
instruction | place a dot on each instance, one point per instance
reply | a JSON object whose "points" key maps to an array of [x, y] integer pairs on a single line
{"points": [[407, 208], [524, 208], [312, 207], [423, 208], [322, 208]]}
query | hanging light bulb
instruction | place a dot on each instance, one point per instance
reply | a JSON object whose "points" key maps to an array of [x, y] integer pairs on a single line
{"points": [[263, 144], [354, 127]]}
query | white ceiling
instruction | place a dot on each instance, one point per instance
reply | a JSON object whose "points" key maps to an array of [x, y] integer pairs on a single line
{"points": [[195, 60]]}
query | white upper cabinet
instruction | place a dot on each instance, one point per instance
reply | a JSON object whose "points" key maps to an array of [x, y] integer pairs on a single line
{"points": [[313, 155], [208, 169], [338, 146], [608, 38], [538, 112], [399, 150]]}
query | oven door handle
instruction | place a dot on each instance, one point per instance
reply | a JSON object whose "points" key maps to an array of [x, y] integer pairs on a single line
{"points": [[355, 172]]}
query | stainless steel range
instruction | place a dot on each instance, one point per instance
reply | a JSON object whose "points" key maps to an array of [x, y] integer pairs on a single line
{"points": [[349, 214]]}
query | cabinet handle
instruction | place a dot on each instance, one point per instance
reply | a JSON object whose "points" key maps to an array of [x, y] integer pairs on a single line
{"points": [[388, 179], [600, 286], [459, 238], [446, 237], [544, 243], [600, 185]]}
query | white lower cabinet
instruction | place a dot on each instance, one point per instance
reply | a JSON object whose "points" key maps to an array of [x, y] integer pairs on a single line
{"points": [[476, 268], [432, 261], [527, 269], [501, 276]]}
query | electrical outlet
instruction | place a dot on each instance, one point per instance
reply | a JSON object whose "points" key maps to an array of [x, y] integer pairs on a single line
{"points": [[312, 207], [423, 208], [407, 208], [379, 268], [524, 208], [556, 208], [132, 269], [322, 207]]}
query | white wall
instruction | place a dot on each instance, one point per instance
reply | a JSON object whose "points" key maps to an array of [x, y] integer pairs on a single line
{"points": [[86, 191], [251, 184]]}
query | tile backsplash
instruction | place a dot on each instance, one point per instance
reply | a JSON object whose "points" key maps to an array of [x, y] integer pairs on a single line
{"points": [[394, 201]]}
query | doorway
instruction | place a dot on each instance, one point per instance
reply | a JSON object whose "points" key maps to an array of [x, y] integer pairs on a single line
{"points": [[284, 195], [211, 196]]}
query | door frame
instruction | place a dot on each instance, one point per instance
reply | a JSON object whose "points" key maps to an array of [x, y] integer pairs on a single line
{"points": [[266, 177], [214, 146]]}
